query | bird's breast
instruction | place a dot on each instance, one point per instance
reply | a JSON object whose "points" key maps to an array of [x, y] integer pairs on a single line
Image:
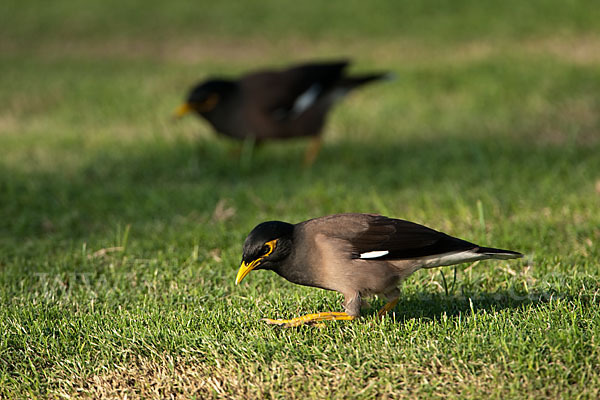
{"points": [[301, 274]]}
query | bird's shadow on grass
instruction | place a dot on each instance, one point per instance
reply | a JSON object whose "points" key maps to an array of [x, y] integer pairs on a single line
{"points": [[166, 180], [433, 307]]}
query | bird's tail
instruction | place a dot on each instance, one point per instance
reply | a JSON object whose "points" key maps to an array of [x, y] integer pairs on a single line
{"points": [[350, 82], [499, 254]]}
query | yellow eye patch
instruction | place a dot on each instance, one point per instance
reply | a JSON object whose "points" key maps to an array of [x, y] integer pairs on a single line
{"points": [[271, 245], [210, 103]]}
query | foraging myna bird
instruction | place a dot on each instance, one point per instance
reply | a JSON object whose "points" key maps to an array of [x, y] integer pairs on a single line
{"points": [[275, 104], [356, 255]]}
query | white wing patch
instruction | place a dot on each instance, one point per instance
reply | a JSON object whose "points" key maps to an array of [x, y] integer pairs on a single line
{"points": [[374, 254], [306, 99]]}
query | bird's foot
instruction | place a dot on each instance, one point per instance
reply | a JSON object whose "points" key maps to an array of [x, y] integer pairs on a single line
{"points": [[312, 319], [388, 307]]}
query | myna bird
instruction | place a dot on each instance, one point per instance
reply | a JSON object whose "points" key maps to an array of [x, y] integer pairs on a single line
{"points": [[356, 255], [278, 104]]}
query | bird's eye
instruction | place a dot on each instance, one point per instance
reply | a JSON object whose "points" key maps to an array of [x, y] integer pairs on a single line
{"points": [[209, 102], [265, 249]]}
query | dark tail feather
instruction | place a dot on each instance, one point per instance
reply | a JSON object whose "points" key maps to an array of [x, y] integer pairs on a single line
{"points": [[500, 254], [350, 82]]}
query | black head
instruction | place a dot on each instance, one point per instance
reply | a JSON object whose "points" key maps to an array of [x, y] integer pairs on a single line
{"points": [[204, 97], [268, 244]]}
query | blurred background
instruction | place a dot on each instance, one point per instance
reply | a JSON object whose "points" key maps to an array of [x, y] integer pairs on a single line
{"points": [[483, 91], [489, 132]]}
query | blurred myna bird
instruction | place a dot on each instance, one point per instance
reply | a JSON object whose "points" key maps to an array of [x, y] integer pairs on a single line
{"points": [[356, 255], [275, 104]]}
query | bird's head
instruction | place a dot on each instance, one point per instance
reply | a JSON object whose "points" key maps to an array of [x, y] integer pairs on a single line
{"points": [[265, 247], [204, 97]]}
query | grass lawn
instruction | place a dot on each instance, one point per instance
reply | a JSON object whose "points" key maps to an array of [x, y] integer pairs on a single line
{"points": [[121, 229]]}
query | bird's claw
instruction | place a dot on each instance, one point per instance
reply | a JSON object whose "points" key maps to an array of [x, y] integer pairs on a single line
{"points": [[274, 321], [286, 323], [310, 319]]}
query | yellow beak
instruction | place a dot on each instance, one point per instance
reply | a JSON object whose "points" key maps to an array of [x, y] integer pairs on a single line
{"points": [[245, 270], [182, 110]]}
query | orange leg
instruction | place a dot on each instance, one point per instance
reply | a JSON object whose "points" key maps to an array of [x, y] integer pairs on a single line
{"points": [[312, 151], [310, 319], [388, 307]]}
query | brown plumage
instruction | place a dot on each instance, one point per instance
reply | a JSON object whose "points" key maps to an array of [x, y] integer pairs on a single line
{"points": [[274, 104], [356, 255]]}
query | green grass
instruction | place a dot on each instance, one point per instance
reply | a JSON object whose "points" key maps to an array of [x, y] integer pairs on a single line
{"points": [[121, 230]]}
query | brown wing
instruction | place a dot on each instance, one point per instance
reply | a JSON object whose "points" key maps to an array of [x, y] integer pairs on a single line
{"points": [[399, 238], [277, 91]]}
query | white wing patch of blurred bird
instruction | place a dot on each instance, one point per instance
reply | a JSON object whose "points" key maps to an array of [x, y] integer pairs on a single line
{"points": [[306, 99]]}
